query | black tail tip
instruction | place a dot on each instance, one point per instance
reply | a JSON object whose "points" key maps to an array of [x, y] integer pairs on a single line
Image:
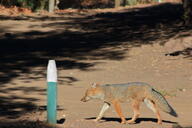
{"points": [[173, 113]]}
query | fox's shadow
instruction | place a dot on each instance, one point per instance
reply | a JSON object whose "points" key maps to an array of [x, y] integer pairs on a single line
{"points": [[139, 120]]}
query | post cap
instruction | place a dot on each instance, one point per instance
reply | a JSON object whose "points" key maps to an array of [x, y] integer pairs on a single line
{"points": [[51, 71]]}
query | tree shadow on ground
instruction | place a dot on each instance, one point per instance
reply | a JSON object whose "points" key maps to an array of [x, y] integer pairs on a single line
{"points": [[186, 52], [13, 106], [97, 37], [139, 120], [25, 124]]}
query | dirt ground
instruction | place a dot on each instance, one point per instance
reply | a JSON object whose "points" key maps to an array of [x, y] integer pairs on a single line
{"points": [[112, 46]]}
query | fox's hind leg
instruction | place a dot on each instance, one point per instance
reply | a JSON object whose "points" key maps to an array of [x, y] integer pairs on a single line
{"points": [[118, 110], [136, 106], [154, 108]]}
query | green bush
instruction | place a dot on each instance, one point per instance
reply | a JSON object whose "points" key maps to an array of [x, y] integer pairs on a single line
{"points": [[25, 3], [131, 2], [31, 4]]}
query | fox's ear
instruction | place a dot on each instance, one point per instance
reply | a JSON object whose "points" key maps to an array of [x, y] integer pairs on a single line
{"points": [[94, 85]]}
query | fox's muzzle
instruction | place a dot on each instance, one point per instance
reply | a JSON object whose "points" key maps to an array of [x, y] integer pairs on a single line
{"points": [[84, 99]]}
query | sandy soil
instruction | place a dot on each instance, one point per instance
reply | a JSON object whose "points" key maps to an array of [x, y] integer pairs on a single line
{"points": [[89, 48]]}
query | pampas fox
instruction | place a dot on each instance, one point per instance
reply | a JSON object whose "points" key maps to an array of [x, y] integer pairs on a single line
{"points": [[136, 92]]}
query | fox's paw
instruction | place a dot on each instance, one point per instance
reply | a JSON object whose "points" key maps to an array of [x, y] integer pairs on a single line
{"points": [[159, 122], [131, 122], [123, 122], [96, 120]]}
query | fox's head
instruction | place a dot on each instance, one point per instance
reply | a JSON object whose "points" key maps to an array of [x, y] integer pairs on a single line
{"points": [[94, 92]]}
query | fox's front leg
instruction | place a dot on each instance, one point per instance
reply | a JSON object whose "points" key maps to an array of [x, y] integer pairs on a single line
{"points": [[103, 109]]}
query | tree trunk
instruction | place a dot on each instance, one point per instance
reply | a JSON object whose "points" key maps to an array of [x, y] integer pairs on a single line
{"points": [[42, 4], [187, 6], [124, 3], [39, 5], [117, 3], [56, 4], [51, 5]]}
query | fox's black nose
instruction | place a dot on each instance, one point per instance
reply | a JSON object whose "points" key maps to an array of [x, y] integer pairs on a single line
{"points": [[83, 99]]}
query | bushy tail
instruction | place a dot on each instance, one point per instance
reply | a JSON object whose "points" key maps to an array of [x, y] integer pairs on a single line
{"points": [[162, 103]]}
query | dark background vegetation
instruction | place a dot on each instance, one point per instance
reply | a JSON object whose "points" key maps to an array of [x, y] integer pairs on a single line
{"points": [[62, 4]]}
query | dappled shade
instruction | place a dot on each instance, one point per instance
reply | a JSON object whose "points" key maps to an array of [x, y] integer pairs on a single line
{"points": [[99, 36], [75, 39]]}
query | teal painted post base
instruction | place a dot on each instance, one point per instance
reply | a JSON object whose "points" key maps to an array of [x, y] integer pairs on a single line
{"points": [[52, 102]]}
